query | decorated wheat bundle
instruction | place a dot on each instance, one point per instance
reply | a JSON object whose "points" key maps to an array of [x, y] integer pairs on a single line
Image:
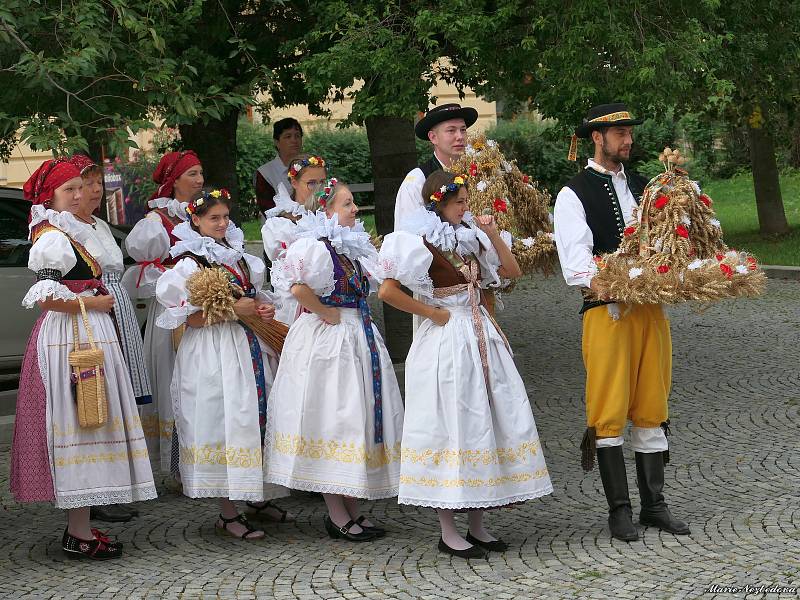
{"points": [[498, 187], [675, 253], [213, 291]]}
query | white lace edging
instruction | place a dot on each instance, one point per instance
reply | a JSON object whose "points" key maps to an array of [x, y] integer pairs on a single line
{"points": [[191, 241], [47, 289], [175, 208], [134, 493], [478, 503], [224, 492], [330, 488], [175, 316], [353, 242]]}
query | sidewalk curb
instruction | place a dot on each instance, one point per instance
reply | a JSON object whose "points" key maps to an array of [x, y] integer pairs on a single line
{"points": [[781, 272]]}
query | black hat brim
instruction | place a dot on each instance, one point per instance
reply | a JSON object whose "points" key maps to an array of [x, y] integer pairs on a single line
{"points": [[584, 130], [429, 121]]}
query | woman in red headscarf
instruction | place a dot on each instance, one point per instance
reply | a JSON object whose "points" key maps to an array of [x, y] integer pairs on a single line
{"points": [[53, 457], [180, 176]]}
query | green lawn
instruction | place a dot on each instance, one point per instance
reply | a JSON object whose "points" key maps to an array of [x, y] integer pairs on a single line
{"points": [[735, 205]]}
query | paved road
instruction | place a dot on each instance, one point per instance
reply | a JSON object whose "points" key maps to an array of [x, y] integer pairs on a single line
{"points": [[735, 476]]}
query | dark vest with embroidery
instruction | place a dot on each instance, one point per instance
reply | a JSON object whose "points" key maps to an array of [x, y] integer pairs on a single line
{"points": [[603, 211], [429, 166]]}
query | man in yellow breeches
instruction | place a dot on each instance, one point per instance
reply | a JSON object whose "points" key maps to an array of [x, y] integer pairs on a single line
{"points": [[627, 349]]}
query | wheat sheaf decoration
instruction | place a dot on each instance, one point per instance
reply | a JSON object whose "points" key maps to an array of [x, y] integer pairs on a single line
{"points": [[674, 251], [521, 207]]}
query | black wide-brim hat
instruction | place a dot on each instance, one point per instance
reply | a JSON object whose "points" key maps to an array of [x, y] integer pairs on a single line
{"points": [[606, 115], [445, 112]]}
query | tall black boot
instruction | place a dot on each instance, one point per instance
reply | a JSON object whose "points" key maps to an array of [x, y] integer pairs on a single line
{"points": [[650, 478], [615, 485]]}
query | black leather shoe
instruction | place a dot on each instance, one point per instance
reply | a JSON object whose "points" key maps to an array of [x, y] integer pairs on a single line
{"points": [[94, 549], [378, 531], [111, 513], [615, 486], [343, 532], [496, 545], [471, 552], [650, 479]]}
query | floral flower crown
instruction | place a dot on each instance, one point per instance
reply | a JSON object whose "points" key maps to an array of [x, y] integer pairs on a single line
{"points": [[311, 161], [324, 195], [459, 181], [191, 208]]}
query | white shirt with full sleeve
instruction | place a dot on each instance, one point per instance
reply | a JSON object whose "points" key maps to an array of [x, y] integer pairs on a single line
{"points": [[409, 196], [574, 240]]}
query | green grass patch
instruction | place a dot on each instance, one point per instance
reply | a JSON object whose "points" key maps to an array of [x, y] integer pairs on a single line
{"points": [[252, 229], [735, 205]]}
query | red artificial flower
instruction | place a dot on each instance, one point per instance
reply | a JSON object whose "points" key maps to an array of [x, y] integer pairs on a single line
{"points": [[720, 257], [705, 199], [682, 231], [726, 269], [663, 269], [438, 195], [661, 202], [473, 170], [629, 231], [525, 179], [283, 245], [225, 193], [751, 263], [597, 259], [500, 205]]}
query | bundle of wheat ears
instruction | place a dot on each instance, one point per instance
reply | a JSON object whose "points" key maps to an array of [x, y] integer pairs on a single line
{"points": [[674, 253], [212, 290], [498, 187]]}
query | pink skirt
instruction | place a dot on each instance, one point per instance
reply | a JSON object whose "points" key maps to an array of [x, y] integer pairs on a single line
{"points": [[31, 479]]}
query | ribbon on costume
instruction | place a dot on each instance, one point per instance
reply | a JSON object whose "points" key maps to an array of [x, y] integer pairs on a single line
{"points": [[358, 299], [142, 265], [470, 270]]}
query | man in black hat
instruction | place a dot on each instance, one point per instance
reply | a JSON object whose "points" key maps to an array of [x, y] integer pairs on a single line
{"points": [[445, 127], [627, 349]]}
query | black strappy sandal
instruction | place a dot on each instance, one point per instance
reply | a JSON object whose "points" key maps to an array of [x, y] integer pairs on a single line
{"points": [[343, 532], [242, 520], [378, 531], [259, 512]]}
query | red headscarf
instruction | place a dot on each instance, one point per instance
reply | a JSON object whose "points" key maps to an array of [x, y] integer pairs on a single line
{"points": [[171, 166], [52, 174], [82, 162]]}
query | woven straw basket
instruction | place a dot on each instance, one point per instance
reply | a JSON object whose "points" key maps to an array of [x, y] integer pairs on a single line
{"points": [[88, 376]]}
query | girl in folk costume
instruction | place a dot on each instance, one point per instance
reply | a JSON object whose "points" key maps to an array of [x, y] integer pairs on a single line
{"points": [[100, 243], [180, 176], [335, 412], [223, 370], [56, 455], [469, 437], [307, 174]]}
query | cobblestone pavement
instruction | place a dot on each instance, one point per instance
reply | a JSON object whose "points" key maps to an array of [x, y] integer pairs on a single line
{"points": [[734, 476]]}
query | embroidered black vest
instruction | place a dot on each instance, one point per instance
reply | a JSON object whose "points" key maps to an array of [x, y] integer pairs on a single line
{"points": [[604, 217], [430, 166]]}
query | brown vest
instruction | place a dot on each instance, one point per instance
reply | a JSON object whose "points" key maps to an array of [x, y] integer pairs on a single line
{"points": [[443, 273]]}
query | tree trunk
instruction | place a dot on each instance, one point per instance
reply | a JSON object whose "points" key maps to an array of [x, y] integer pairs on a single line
{"points": [[769, 203], [393, 155], [215, 144], [794, 145]]}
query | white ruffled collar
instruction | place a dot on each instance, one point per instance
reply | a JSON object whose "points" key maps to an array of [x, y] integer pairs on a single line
{"points": [[353, 242], [285, 205], [465, 239], [191, 241], [64, 220], [175, 208]]}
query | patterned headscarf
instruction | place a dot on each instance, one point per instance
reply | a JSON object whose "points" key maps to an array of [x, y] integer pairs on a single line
{"points": [[171, 166], [52, 174]]}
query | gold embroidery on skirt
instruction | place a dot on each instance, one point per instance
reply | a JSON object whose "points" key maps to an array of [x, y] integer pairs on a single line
{"points": [[102, 457], [244, 458], [295, 445], [154, 427], [473, 482], [453, 458]]}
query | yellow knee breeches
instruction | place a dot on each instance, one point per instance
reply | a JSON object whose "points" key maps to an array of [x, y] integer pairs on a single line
{"points": [[628, 367]]}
